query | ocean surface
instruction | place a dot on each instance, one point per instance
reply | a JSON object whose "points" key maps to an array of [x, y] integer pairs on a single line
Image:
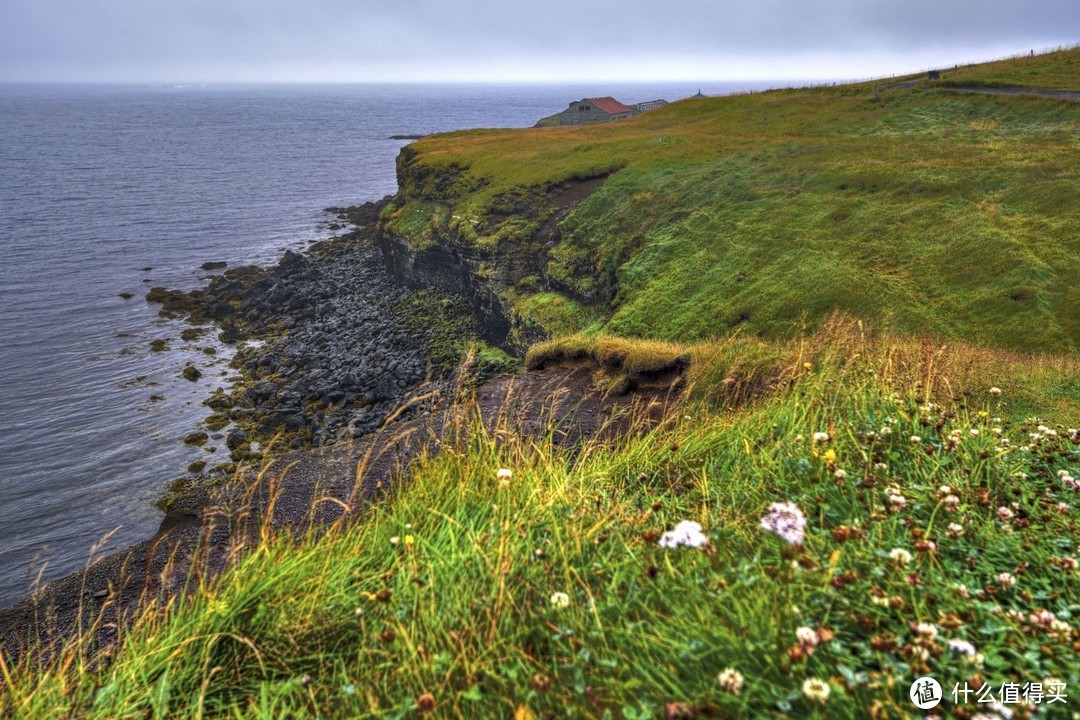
{"points": [[110, 189]]}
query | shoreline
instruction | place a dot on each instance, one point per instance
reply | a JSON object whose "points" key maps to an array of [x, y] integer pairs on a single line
{"points": [[326, 349]]}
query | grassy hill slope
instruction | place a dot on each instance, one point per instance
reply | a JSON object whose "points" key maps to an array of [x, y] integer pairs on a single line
{"points": [[918, 209]]}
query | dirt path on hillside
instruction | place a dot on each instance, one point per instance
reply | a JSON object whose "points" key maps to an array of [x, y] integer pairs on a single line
{"points": [[207, 529], [1033, 92]]}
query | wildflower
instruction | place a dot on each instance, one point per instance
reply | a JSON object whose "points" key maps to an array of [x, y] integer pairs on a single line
{"points": [[974, 432], [951, 502], [995, 391], [687, 533], [1006, 580], [820, 437], [425, 702], [1063, 507], [927, 630], [916, 439], [962, 591], [1005, 514], [560, 600], [786, 520], [731, 680], [815, 690], [897, 502], [900, 556], [829, 456], [963, 647], [840, 474], [881, 467], [395, 540], [1068, 564], [1042, 618], [920, 653], [1060, 630], [504, 474], [885, 431], [808, 638], [926, 546], [955, 531]]}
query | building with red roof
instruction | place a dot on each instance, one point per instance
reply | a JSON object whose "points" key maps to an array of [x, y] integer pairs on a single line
{"points": [[590, 110]]}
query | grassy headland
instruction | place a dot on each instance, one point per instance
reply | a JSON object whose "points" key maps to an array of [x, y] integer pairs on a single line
{"points": [[917, 209], [933, 461]]}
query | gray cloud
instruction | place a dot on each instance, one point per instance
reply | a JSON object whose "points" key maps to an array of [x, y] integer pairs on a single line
{"points": [[488, 39]]}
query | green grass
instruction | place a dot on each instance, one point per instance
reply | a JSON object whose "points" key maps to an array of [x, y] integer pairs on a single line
{"points": [[913, 209], [746, 243], [445, 589]]}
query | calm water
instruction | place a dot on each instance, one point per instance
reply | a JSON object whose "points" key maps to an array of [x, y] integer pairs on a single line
{"points": [[98, 183]]}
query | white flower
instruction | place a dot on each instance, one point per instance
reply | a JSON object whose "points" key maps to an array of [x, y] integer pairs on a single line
{"points": [[963, 647], [974, 432], [955, 531], [916, 439], [815, 690], [395, 540], [820, 437], [927, 630], [786, 520], [840, 474], [1005, 514], [995, 391], [687, 533], [1006, 580], [504, 474], [560, 600], [900, 556], [731, 680], [807, 636]]}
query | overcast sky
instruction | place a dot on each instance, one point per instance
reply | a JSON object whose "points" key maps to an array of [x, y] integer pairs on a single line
{"points": [[508, 40]]}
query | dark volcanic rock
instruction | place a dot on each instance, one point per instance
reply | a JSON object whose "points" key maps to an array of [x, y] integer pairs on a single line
{"points": [[337, 354]]}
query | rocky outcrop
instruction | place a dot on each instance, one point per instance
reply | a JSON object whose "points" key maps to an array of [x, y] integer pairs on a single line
{"points": [[338, 349], [487, 276]]}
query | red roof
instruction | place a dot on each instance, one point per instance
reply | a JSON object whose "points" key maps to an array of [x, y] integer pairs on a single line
{"points": [[610, 105]]}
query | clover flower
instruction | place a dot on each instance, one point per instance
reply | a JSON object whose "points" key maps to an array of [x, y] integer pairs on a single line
{"points": [[995, 391], [900, 556], [1005, 514], [786, 520], [815, 690], [963, 647], [820, 437], [955, 531], [687, 533], [926, 630], [731, 680], [1006, 580], [560, 600]]}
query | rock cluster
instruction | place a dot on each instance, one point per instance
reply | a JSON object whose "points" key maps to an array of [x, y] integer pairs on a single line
{"points": [[337, 352]]}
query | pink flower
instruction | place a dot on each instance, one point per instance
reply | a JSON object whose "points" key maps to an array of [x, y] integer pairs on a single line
{"points": [[786, 520]]}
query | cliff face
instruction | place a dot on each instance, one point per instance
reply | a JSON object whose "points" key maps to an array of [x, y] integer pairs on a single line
{"points": [[489, 276], [446, 269]]}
